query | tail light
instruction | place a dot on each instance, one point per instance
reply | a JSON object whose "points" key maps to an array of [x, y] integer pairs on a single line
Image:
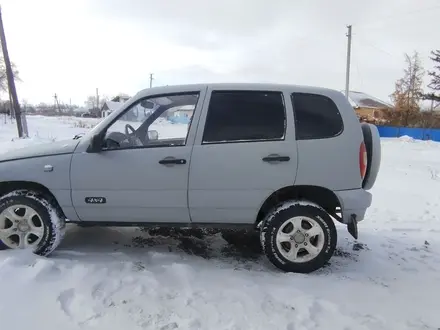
{"points": [[363, 159]]}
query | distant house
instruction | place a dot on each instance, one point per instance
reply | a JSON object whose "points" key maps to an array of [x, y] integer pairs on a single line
{"points": [[114, 104], [108, 107], [368, 107]]}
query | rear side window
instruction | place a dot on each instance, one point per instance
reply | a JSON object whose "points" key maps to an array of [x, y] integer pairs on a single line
{"points": [[316, 117], [245, 116]]}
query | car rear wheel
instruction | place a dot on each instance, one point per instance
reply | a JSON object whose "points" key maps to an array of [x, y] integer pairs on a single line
{"points": [[298, 237], [31, 222]]}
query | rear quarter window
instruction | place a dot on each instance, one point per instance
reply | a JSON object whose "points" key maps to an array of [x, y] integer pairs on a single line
{"points": [[316, 116]]}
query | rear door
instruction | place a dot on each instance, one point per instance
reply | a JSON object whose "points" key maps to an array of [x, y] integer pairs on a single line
{"points": [[244, 151]]}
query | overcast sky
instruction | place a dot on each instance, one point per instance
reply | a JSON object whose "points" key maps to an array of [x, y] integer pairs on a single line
{"points": [[70, 47]]}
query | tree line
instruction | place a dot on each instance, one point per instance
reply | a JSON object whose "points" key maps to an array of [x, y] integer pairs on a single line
{"points": [[57, 108], [409, 95]]}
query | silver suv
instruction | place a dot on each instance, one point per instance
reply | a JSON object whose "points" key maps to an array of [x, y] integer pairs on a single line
{"points": [[284, 161]]}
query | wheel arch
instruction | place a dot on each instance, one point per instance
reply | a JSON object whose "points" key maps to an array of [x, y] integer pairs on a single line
{"points": [[323, 197], [10, 186]]}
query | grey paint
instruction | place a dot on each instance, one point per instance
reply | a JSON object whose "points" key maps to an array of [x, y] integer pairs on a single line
{"points": [[39, 150], [136, 186], [355, 202], [32, 170], [229, 182], [333, 163], [226, 182]]}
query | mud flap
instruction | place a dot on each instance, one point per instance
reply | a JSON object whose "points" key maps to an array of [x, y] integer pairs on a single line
{"points": [[352, 227]]}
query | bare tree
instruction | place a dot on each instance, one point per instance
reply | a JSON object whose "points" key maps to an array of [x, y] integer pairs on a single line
{"points": [[3, 78], [434, 85], [102, 100], [409, 91], [91, 101], [91, 105]]}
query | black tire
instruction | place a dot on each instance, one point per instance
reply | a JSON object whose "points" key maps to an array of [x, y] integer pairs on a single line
{"points": [[53, 221], [278, 217]]}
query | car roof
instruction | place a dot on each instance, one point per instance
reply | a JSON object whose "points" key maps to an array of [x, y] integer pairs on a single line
{"points": [[224, 86]]}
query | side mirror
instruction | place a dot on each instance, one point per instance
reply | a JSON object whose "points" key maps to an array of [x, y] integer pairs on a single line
{"points": [[153, 135], [78, 136], [95, 143]]}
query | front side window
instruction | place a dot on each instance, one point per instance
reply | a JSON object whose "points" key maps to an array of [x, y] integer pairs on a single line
{"points": [[152, 122], [244, 116]]}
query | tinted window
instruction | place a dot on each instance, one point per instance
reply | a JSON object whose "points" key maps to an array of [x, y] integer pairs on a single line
{"points": [[316, 116], [244, 115]]}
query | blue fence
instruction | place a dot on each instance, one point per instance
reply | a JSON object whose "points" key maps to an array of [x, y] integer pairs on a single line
{"points": [[179, 119], [415, 133]]}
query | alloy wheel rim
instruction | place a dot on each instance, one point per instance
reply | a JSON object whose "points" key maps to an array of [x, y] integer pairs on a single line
{"points": [[300, 239], [21, 227]]}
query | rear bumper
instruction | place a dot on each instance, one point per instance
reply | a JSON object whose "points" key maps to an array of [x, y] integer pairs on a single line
{"points": [[354, 203]]}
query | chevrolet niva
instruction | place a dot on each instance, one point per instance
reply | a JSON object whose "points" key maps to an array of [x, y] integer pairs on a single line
{"points": [[283, 161]]}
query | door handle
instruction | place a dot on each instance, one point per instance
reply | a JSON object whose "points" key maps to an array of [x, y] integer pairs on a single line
{"points": [[276, 158], [172, 161]]}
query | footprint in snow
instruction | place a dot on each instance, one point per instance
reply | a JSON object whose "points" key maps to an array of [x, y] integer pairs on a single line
{"points": [[73, 307], [65, 299]]}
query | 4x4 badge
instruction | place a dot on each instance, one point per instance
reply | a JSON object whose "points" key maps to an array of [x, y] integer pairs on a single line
{"points": [[95, 200], [48, 168]]}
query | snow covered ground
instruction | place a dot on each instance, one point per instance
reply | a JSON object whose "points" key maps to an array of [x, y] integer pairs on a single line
{"points": [[113, 278]]}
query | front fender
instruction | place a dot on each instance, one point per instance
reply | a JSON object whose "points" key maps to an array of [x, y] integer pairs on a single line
{"points": [[52, 172]]}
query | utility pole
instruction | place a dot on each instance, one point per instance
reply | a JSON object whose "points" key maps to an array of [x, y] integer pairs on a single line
{"points": [[347, 71], [24, 123], [10, 77], [151, 80], [57, 104], [97, 99], [12, 106]]}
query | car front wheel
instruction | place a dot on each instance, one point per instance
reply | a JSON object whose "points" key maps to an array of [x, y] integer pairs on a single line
{"points": [[28, 221], [298, 237]]}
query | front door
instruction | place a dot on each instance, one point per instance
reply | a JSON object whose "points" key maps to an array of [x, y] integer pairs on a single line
{"points": [[141, 175], [244, 151]]}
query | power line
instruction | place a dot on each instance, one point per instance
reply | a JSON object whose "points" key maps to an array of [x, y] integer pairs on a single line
{"points": [[359, 73], [372, 45], [56, 102], [397, 16]]}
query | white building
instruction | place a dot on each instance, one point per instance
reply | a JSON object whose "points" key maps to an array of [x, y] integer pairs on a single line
{"points": [[109, 106]]}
